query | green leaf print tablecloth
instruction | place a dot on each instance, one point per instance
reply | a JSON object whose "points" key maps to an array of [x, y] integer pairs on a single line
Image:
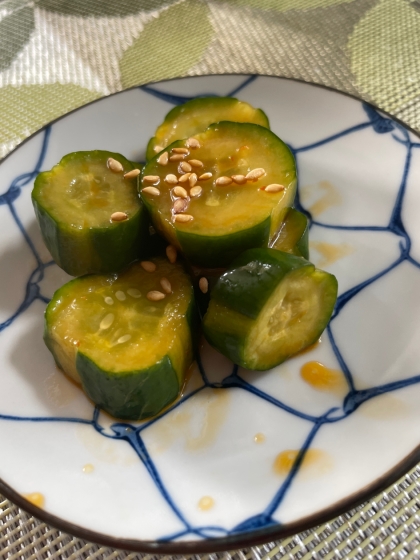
{"points": [[57, 55]]}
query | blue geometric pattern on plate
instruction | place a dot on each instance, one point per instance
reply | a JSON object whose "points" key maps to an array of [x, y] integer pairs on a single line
{"points": [[353, 399]]}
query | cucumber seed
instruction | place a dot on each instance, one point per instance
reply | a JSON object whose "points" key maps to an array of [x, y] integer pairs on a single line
{"points": [[124, 338], [108, 300], [120, 295], [155, 295], [166, 285], [106, 321], [134, 292], [148, 266]]}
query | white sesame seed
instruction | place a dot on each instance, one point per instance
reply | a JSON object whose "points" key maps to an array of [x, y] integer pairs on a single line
{"points": [[171, 179], [108, 300], [157, 149], [120, 295], [163, 159], [166, 285], [255, 174], [148, 266], [203, 284], [205, 176], [195, 191], [118, 216], [180, 150], [114, 165], [192, 180], [180, 205], [124, 338], [134, 292], [274, 188], [151, 190], [151, 178], [106, 321], [155, 295], [222, 181], [171, 253], [193, 143], [180, 191], [185, 167], [195, 163], [183, 218], [132, 174], [239, 179], [184, 178], [177, 157]]}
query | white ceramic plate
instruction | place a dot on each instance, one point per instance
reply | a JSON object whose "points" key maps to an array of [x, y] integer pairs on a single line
{"points": [[244, 457]]}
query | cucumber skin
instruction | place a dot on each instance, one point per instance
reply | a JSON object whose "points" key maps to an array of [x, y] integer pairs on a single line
{"points": [[244, 293], [296, 238], [122, 395], [251, 278], [98, 250]]}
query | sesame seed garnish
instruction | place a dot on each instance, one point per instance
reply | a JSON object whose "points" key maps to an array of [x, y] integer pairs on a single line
{"points": [[171, 179], [222, 181], [106, 321], [151, 178], [180, 205], [192, 180], [114, 165], [195, 163], [183, 218], [203, 284], [155, 295], [193, 143], [177, 157], [184, 178], [185, 167], [180, 151], [157, 149], [180, 191], [132, 174], [120, 295], [163, 159], [274, 188], [205, 176], [151, 190], [171, 253], [134, 292], [148, 266], [196, 191], [166, 285], [108, 300], [239, 179], [118, 216], [124, 338], [255, 174]]}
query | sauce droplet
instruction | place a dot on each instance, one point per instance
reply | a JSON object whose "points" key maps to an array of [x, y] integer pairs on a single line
{"points": [[88, 468], [205, 503], [322, 378], [259, 438], [312, 458], [36, 498]]}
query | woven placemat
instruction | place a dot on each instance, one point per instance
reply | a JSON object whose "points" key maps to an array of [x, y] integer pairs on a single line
{"points": [[56, 55]]}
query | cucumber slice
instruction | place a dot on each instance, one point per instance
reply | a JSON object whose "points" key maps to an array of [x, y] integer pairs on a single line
{"points": [[74, 202], [129, 354], [293, 235], [267, 307], [196, 115], [223, 220]]}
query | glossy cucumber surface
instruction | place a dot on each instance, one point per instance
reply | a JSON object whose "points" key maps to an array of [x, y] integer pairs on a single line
{"points": [[196, 115], [74, 202], [268, 306], [130, 354], [223, 212], [293, 235]]}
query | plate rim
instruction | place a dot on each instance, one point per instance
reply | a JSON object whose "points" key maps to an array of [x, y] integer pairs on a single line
{"points": [[244, 539]]}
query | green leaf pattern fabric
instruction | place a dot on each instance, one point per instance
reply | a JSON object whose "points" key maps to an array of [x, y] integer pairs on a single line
{"points": [[56, 55]]}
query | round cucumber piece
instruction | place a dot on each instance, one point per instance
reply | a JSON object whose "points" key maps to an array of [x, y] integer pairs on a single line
{"points": [[129, 351], [268, 307], [196, 115], [89, 212], [226, 192]]}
